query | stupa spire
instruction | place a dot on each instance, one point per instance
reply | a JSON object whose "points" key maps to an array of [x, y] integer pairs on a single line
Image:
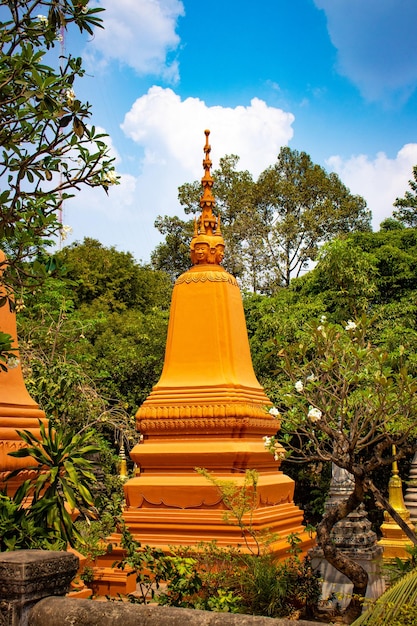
{"points": [[207, 245]]}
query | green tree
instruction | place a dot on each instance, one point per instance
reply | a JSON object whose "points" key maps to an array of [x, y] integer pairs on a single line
{"points": [[343, 403], [345, 277], [304, 206], [111, 279], [173, 255], [408, 204], [274, 227], [49, 149]]}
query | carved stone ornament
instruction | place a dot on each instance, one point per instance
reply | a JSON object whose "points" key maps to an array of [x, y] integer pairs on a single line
{"points": [[27, 576]]}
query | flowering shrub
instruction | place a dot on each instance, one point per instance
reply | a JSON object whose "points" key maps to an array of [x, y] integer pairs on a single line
{"points": [[346, 404]]}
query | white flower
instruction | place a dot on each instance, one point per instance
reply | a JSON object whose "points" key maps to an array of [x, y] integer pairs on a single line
{"points": [[350, 325], [274, 412], [59, 37], [299, 386], [42, 19], [267, 441], [323, 319], [19, 305], [314, 414], [311, 378], [65, 231], [70, 96], [319, 328], [12, 362], [84, 10], [110, 177]]}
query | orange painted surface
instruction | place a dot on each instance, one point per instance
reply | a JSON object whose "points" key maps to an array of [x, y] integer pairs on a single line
{"points": [[18, 410], [208, 410]]}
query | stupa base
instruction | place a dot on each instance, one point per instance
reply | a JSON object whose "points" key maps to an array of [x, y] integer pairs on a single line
{"points": [[269, 526]]}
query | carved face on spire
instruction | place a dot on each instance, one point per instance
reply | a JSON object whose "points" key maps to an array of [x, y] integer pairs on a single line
{"points": [[207, 244]]}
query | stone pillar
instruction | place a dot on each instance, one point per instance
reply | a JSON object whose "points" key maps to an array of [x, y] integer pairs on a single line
{"points": [[354, 537], [27, 576], [410, 498]]}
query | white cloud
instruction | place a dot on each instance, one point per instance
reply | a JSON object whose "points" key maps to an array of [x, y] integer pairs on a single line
{"points": [[140, 34], [380, 181], [171, 133], [375, 40]]}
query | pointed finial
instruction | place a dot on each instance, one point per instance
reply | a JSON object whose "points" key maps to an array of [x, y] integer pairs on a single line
{"points": [[207, 244], [123, 464]]}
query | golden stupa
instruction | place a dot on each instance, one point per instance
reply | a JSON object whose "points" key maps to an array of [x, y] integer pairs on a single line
{"points": [[394, 540], [208, 411]]}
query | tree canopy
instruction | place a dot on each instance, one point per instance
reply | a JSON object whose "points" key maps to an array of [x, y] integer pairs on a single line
{"points": [[49, 149], [407, 206], [274, 227]]}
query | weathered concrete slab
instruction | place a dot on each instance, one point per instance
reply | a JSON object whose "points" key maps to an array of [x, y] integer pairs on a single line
{"points": [[92, 613]]}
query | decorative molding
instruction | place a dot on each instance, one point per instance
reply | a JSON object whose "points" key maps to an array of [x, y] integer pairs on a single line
{"points": [[215, 425], [204, 276]]}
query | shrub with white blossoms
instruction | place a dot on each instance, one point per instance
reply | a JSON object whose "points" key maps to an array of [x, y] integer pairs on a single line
{"points": [[346, 402]]}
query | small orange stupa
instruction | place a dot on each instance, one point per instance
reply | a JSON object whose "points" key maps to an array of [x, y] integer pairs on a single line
{"points": [[18, 410], [207, 411]]}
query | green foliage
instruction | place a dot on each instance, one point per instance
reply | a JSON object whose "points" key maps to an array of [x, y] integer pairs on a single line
{"points": [[343, 397], [345, 278], [173, 254], [7, 356], [111, 279], [212, 578], [19, 530], [48, 151], [396, 607], [395, 569], [92, 342], [394, 255], [306, 207], [240, 500], [408, 204], [344, 403], [285, 589], [64, 478]]}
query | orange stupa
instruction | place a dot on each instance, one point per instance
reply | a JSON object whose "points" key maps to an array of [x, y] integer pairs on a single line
{"points": [[207, 411], [18, 410]]}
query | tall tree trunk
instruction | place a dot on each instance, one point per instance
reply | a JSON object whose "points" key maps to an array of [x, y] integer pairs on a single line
{"points": [[347, 566]]}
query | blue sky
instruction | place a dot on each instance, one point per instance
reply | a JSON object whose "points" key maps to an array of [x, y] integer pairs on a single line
{"points": [[334, 78]]}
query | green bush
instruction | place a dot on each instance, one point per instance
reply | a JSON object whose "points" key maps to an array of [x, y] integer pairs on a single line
{"points": [[213, 578]]}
